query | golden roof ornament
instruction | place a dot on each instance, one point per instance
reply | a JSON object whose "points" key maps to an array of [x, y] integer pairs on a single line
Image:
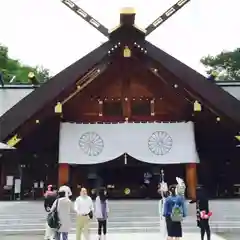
{"points": [[197, 106], [127, 52], [58, 108]]}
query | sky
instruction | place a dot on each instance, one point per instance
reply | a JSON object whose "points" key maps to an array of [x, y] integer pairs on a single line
{"points": [[46, 32]]}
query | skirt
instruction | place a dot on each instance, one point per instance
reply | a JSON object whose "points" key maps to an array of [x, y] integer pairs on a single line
{"points": [[174, 229]]}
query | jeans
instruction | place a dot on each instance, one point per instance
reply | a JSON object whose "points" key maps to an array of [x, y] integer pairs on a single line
{"points": [[64, 236]]}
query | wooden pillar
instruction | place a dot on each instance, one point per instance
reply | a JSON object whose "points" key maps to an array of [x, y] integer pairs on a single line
{"points": [[191, 178], [63, 173]]}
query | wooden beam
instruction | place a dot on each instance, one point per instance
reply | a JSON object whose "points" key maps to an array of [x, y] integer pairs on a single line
{"points": [[126, 97], [126, 72], [176, 104]]}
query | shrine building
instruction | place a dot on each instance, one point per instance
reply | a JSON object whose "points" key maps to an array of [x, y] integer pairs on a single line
{"points": [[124, 110]]}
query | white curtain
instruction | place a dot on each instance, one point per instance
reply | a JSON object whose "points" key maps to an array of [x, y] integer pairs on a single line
{"points": [[160, 143]]}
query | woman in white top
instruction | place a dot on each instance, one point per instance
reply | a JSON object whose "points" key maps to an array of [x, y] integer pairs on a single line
{"points": [[101, 212], [64, 208]]}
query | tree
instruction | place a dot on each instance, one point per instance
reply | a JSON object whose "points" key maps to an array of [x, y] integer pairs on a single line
{"points": [[43, 74], [227, 63], [13, 69]]}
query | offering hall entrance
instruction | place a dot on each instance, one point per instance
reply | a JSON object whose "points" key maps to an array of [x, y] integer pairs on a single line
{"points": [[127, 158], [125, 177]]}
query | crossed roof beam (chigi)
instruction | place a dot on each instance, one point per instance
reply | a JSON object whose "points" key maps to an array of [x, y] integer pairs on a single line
{"points": [[106, 32]]}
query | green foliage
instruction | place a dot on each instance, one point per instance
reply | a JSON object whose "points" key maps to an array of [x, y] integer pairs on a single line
{"points": [[10, 68], [227, 61]]}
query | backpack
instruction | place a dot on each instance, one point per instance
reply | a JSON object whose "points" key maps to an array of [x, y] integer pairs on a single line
{"points": [[53, 218], [177, 213]]}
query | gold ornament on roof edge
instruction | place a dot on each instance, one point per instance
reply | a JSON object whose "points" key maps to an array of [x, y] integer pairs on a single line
{"points": [[197, 107], [58, 108], [127, 52], [13, 141], [31, 75]]}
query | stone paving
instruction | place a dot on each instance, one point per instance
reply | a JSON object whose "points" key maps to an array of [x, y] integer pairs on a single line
{"points": [[125, 217], [125, 236]]}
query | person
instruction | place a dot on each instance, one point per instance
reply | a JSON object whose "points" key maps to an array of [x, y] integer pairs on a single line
{"points": [[64, 207], [147, 177], [203, 213], [49, 198], [101, 212], [65, 188], [174, 211], [163, 190], [84, 208]]}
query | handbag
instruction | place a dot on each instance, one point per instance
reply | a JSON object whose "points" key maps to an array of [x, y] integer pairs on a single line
{"points": [[53, 220], [90, 214]]}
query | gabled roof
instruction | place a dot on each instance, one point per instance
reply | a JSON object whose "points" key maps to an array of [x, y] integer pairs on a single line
{"points": [[220, 100], [207, 91], [49, 91]]}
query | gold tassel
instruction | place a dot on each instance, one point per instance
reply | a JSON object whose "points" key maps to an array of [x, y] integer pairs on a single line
{"points": [[127, 52], [58, 108], [13, 141], [197, 107]]}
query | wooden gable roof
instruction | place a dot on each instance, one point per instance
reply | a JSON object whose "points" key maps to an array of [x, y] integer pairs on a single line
{"points": [[207, 91], [35, 101], [215, 97]]}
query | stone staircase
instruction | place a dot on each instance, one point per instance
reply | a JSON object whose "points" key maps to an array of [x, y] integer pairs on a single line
{"points": [[125, 216]]}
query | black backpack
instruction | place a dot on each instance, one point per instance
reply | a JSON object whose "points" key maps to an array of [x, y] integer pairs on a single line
{"points": [[53, 219]]}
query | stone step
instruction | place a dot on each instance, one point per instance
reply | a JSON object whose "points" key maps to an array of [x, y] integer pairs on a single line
{"points": [[40, 231], [152, 225]]}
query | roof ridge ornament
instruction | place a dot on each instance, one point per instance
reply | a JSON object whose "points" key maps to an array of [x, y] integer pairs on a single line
{"points": [[87, 17], [127, 17], [165, 16]]}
